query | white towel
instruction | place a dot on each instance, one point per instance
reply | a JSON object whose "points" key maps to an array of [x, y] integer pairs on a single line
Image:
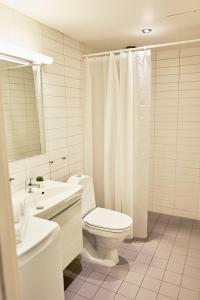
{"points": [[17, 211], [20, 228]]}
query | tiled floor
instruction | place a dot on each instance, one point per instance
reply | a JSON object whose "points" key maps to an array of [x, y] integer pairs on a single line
{"points": [[165, 267]]}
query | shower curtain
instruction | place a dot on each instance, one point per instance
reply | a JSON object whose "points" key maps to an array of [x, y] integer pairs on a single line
{"points": [[117, 133]]}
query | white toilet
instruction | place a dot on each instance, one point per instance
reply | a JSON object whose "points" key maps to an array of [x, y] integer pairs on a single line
{"points": [[103, 229]]}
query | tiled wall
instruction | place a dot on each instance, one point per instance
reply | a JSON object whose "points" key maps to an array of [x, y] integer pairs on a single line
{"points": [[17, 91], [175, 153], [63, 98]]}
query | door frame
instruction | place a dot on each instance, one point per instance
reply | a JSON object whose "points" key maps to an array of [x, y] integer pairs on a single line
{"points": [[9, 272]]}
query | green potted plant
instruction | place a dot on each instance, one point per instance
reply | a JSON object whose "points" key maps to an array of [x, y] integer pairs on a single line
{"points": [[40, 180]]}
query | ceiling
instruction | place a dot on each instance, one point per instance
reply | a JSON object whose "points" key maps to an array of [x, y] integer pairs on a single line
{"points": [[114, 24]]}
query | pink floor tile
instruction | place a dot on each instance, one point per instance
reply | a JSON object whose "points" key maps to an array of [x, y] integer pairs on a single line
{"points": [[121, 297], [151, 283], [111, 283], [128, 290], [88, 290], [175, 267], [192, 272], [169, 290], [69, 295], [139, 267], [155, 272], [144, 258], [162, 297], [190, 283], [75, 285], [144, 294], [104, 294], [119, 272], [159, 262], [172, 277], [134, 278], [96, 278], [163, 268], [78, 297], [186, 294]]}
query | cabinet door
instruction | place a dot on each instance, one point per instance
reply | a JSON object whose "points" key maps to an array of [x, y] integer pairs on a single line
{"points": [[70, 221]]}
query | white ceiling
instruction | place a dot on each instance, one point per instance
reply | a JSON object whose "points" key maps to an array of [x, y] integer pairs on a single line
{"points": [[114, 24]]}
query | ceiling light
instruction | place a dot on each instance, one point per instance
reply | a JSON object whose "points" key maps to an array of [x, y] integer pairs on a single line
{"points": [[146, 30]]}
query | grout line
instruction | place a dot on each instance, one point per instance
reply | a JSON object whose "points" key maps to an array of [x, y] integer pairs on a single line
{"points": [[169, 256], [186, 256], [177, 227], [177, 126]]}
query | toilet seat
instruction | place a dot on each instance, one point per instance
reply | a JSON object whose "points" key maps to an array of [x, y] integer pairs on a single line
{"points": [[107, 220]]}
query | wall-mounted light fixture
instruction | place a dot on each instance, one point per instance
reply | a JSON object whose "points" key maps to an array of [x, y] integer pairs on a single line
{"points": [[13, 59], [21, 55]]}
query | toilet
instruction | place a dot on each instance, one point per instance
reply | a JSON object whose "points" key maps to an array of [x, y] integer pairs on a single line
{"points": [[103, 229]]}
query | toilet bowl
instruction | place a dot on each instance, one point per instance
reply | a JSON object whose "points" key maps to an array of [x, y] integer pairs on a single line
{"points": [[103, 229]]}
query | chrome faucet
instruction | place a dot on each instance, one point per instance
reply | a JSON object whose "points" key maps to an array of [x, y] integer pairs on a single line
{"points": [[30, 185]]}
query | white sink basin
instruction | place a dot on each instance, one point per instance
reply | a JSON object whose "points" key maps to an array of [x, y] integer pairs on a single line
{"points": [[36, 231], [52, 194]]}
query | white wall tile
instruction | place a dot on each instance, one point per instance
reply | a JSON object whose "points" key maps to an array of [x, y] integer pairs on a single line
{"points": [[189, 51], [170, 62], [63, 108], [166, 54], [53, 45], [175, 134]]}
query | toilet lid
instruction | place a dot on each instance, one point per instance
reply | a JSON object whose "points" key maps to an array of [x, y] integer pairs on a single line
{"points": [[107, 219]]}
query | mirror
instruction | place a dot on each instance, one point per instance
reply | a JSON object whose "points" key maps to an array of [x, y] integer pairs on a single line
{"points": [[20, 92]]}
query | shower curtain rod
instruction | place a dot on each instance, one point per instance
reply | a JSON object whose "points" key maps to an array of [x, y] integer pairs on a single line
{"points": [[143, 48]]}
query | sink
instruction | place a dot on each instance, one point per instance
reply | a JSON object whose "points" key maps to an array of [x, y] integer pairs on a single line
{"points": [[58, 202], [52, 194]]}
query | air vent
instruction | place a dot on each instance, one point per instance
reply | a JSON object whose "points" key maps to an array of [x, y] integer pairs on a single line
{"points": [[193, 11]]}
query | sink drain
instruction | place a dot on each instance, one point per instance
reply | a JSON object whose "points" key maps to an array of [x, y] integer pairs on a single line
{"points": [[39, 207]]}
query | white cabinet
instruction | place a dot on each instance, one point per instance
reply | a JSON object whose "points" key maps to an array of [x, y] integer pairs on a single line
{"points": [[39, 261], [69, 217], [70, 221]]}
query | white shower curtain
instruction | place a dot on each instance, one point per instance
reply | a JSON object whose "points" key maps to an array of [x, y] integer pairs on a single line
{"points": [[118, 101]]}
